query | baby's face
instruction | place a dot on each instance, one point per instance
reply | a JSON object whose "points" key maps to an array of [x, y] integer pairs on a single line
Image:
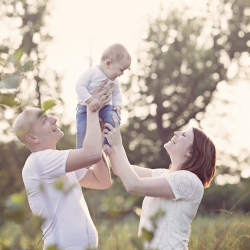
{"points": [[115, 69]]}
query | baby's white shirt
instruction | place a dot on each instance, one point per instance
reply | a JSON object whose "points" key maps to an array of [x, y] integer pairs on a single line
{"points": [[90, 80]]}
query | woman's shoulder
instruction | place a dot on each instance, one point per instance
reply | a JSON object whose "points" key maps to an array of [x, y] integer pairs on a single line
{"points": [[187, 177], [185, 184]]}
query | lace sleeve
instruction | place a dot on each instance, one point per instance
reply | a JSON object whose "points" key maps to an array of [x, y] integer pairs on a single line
{"points": [[185, 185]]}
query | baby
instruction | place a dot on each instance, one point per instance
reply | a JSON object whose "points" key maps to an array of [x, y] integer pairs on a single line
{"points": [[114, 61]]}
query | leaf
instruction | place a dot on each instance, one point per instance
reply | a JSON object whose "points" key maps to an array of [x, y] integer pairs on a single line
{"points": [[137, 243], [11, 81], [18, 198], [18, 54], [8, 100], [27, 66], [59, 185], [52, 247], [147, 235], [48, 105], [32, 227]]}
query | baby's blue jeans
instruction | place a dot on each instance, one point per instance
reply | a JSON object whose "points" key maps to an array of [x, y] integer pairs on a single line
{"points": [[81, 121]]}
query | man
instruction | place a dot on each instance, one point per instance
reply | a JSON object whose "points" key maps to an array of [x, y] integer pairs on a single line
{"points": [[53, 178]]}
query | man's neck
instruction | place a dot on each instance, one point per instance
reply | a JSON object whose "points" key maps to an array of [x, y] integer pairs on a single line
{"points": [[38, 149]]}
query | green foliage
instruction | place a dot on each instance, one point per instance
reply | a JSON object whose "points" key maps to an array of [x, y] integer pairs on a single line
{"points": [[13, 72], [224, 231], [9, 100], [228, 197], [14, 209], [24, 78], [181, 62], [48, 105]]}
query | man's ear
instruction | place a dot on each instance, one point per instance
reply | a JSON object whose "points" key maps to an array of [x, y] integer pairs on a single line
{"points": [[31, 138], [189, 153], [107, 63]]}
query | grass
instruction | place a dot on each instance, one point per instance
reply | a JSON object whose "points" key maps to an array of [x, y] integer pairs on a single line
{"points": [[226, 231]]}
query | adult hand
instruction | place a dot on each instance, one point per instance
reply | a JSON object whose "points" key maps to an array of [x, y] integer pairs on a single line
{"points": [[94, 104], [117, 109], [103, 94], [113, 134]]}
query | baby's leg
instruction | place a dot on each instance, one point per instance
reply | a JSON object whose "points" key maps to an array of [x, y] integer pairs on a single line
{"points": [[81, 123], [105, 113]]}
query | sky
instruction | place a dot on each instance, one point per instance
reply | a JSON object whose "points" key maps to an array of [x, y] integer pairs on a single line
{"points": [[83, 29]]}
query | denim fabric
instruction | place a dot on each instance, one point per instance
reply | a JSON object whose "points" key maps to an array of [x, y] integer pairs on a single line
{"points": [[81, 121]]}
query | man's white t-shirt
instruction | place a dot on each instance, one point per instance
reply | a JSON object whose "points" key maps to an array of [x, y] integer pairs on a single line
{"points": [[174, 227], [57, 196], [90, 80]]}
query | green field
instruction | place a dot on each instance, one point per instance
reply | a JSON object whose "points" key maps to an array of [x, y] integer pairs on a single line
{"points": [[225, 231]]}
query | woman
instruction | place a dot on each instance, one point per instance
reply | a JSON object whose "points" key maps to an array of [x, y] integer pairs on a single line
{"points": [[177, 191]]}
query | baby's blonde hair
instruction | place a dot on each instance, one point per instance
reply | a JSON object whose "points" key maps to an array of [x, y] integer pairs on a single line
{"points": [[115, 52]]}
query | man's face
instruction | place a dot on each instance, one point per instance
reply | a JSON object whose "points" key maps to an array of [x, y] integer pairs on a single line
{"points": [[116, 68], [45, 128]]}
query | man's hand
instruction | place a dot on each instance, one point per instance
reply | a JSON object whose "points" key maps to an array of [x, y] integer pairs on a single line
{"points": [[118, 109], [93, 104], [103, 94]]}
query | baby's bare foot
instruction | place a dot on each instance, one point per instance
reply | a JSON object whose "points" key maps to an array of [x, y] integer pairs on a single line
{"points": [[107, 149]]}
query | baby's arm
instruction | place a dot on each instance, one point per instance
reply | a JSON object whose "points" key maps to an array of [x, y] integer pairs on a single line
{"points": [[82, 85]]}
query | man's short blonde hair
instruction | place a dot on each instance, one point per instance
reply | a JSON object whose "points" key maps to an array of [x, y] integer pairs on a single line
{"points": [[115, 52]]}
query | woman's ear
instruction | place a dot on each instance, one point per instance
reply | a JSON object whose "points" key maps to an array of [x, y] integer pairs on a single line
{"points": [[189, 153], [31, 138]]}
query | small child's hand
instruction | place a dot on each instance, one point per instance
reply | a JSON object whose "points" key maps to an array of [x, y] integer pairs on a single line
{"points": [[93, 104], [118, 109]]}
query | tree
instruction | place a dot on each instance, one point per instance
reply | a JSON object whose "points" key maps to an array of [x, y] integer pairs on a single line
{"points": [[25, 80], [23, 48], [180, 64]]}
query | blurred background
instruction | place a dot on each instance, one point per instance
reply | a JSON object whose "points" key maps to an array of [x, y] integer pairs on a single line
{"points": [[190, 67]]}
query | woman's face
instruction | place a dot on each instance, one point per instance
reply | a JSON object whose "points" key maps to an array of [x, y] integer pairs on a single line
{"points": [[179, 147]]}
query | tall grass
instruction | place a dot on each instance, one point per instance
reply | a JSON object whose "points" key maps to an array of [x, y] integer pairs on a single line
{"points": [[224, 231], [227, 231]]}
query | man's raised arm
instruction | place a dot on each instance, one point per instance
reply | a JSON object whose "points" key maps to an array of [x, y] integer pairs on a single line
{"points": [[91, 151]]}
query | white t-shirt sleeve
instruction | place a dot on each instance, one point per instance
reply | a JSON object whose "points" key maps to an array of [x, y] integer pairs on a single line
{"points": [[185, 185], [80, 173], [49, 164], [83, 84], [116, 95]]}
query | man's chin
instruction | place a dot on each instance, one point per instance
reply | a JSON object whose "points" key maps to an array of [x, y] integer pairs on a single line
{"points": [[62, 134]]}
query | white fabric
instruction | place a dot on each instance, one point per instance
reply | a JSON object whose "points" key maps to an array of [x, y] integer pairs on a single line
{"points": [[174, 227], [90, 80], [68, 223]]}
